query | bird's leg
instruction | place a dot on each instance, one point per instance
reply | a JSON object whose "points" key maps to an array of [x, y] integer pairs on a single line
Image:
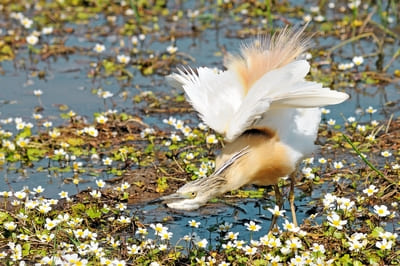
{"points": [[291, 199], [279, 202]]}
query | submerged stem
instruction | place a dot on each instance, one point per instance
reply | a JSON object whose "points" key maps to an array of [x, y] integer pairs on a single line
{"points": [[366, 161]]}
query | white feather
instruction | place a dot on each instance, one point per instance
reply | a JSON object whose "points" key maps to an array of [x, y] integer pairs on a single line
{"points": [[215, 94], [283, 87], [223, 105]]}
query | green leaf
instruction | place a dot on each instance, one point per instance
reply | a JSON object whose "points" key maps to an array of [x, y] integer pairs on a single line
{"points": [[93, 212], [26, 248], [24, 133], [35, 154], [109, 67], [376, 231], [345, 260], [4, 217]]}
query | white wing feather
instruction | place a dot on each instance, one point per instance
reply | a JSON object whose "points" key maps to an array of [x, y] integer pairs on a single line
{"points": [[222, 104], [214, 94], [281, 88]]}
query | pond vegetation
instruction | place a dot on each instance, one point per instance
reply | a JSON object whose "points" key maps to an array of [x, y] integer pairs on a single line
{"points": [[156, 143]]}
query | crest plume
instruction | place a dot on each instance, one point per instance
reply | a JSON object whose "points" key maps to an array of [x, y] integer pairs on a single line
{"points": [[266, 53]]}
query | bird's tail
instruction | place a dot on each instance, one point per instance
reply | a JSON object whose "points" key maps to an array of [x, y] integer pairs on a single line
{"points": [[267, 53]]}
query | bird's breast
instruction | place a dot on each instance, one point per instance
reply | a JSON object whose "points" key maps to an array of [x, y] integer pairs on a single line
{"points": [[268, 159]]}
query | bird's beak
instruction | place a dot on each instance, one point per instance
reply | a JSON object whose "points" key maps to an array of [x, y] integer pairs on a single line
{"points": [[167, 199]]}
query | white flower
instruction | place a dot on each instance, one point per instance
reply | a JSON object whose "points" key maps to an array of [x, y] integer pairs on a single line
{"points": [[123, 59], [331, 122], [370, 190], [101, 119], [345, 204], [21, 142], [276, 211], [325, 111], [351, 119], [26, 22], [158, 228], [309, 160], [193, 223], [293, 243], [59, 152], [63, 194], [172, 49], [361, 128], [307, 172], [91, 131], [374, 123], [345, 66], [290, 227], [47, 124], [319, 18], [231, 235], [202, 243], [105, 94], [20, 195], [165, 235], [250, 250], [358, 60], [175, 138], [370, 137], [47, 30], [142, 37], [95, 194], [124, 220], [189, 156], [32, 39], [384, 244], [357, 245], [50, 224], [134, 40], [353, 4], [388, 235], [100, 183], [10, 226], [252, 226], [386, 154], [179, 124], [37, 92], [99, 48], [307, 18], [38, 189], [170, 121], [107, 161], [202, 126], [338, 165], [335, 221], [381, 210], [211, 139], [370, 110], [318, 248]]}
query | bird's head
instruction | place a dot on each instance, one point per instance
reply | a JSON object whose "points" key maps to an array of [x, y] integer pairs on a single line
{"points": [[194, 194]]}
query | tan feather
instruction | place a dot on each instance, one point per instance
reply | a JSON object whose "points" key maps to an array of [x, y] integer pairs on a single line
{"points": [[268, 159], [265, 54]]}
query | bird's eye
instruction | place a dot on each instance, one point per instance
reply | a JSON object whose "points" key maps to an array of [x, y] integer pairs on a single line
{"points": [[193, 194]]}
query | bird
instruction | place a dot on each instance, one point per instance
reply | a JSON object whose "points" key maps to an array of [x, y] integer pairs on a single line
{"points": [[266, 110]]}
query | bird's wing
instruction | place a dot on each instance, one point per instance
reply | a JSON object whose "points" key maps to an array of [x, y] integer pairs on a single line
{"points": [[284, 87], [214, 94], [223, 104]]}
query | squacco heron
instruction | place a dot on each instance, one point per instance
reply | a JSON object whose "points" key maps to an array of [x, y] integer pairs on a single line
{"points": [[266, 110]]}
